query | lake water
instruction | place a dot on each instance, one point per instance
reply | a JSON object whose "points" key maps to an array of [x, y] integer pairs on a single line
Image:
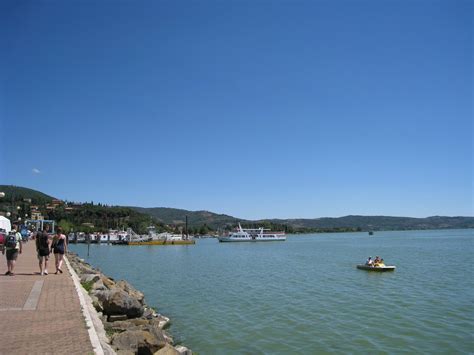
{"points": [[305, 296]]}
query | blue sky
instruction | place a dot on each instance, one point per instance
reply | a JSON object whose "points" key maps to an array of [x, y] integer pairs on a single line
{"points": [[256, 109]]}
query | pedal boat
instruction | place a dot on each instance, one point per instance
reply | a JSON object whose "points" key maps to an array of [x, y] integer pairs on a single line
{"points": [[376, 268]]}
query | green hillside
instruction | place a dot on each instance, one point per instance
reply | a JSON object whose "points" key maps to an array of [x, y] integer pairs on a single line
{"points": [[174, 216], [172, 219], [381, 222], [17, 193], [347, 223]]}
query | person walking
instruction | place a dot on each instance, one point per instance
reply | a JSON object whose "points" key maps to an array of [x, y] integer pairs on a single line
{"points": [[13, 246], [42, 249], [59, 248]]}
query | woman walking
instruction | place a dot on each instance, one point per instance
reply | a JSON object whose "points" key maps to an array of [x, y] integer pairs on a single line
{"points": [[59, 247]]}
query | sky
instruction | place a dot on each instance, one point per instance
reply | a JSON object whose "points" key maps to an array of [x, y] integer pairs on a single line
{"points": [[256, 109]]}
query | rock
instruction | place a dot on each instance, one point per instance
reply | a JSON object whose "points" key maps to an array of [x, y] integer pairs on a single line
{"points": [[167, 350], [120, 326], [182, 350], [102, 295], [139, 321], [159, 333], [149, 313], [125, 352], [85, 269], [124, 285], [117, 317], [164, 322], [98, 286], [138, 341], [117, 301], [96, 303], [108, 282], [160, 321], [90, 278]]}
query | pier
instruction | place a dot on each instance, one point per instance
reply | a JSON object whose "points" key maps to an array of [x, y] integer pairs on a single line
{"points": [[42, 314]]}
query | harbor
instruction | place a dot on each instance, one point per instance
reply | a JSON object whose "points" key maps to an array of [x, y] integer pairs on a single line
{"points": [[240, 297], [129, 237], [81, 304]]}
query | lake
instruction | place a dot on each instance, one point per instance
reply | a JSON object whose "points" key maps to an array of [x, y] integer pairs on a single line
{"points": [[305, 295]]}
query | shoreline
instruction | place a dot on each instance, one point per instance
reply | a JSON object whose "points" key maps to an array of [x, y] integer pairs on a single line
{"points": [[124, 323]]}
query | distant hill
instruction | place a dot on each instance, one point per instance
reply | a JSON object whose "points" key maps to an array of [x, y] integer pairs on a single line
{"points": [[17, 193], [381, 222], [215, 221], [139, 217], [174, 216]]}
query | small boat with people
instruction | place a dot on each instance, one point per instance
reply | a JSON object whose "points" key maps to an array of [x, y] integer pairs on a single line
{"points": [[377, 265], [253, 235]]}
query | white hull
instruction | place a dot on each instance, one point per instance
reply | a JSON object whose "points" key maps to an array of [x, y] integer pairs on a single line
{"points": [[256, 239]]}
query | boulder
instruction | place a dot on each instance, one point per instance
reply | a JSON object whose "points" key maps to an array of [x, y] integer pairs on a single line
{"points": [[117, 301], [125, 352], [167, 350], [138, 341], [124, 285], [98, 286], [149, 313], [117, 317], [120, 326], [90, 278], [108, 282], [96, 303], [139, 321], [160, 321], [154, 328], [182, 350]]}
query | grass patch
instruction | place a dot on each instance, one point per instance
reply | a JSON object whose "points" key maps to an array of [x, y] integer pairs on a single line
{"points": [[87, 285], [110, 332]]}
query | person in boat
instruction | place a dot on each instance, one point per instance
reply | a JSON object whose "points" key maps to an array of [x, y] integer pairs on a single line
{"points": [[369, 261], [381, 263], [376, 261]]}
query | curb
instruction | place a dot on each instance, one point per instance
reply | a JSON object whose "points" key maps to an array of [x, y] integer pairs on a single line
{"points": [[86, 312]]}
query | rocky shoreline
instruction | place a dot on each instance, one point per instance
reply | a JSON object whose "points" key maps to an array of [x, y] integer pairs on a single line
{"points": [[131, 327]]}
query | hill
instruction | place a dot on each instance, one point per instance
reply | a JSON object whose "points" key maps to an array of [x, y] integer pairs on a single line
{"points": [[139, 218], [381, 222], [17, 193], [174, 216], [364, 223]]}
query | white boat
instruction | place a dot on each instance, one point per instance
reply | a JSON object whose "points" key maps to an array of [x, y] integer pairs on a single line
{"points": [[376, 268], [253, 235]]}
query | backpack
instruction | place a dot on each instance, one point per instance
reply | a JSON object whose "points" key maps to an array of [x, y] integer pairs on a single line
{"points": [[43, 248], [10, 242], [42, 240]]}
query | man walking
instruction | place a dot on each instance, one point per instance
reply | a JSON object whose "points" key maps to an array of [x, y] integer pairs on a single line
{"points": [[12, 247], [43, 249]]}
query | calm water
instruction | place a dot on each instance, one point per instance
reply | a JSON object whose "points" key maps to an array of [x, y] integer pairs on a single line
{"points": [[305, 296]]}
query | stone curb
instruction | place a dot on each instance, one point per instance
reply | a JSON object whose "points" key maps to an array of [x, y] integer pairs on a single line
{"points": [[95, 327]]}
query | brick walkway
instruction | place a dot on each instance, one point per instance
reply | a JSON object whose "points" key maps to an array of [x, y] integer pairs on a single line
{"points": [[40, 314]]}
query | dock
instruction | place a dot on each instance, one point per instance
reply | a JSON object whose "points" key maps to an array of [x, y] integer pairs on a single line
{"points": [[42, 314]]}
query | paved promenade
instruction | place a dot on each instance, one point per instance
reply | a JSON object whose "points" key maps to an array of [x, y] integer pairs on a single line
{"points": [[40, 314]]}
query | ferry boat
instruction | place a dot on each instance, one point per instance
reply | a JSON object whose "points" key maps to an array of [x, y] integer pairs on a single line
{"points": [[253, 235]]}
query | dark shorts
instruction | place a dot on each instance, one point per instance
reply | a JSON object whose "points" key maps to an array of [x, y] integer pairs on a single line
{"points": [[12, 254], [58, 251], [41, 257]]}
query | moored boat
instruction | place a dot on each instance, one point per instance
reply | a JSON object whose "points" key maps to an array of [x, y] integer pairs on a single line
{"points": [[159, 239], [253, 235], [163, 242], [376, 268]]}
